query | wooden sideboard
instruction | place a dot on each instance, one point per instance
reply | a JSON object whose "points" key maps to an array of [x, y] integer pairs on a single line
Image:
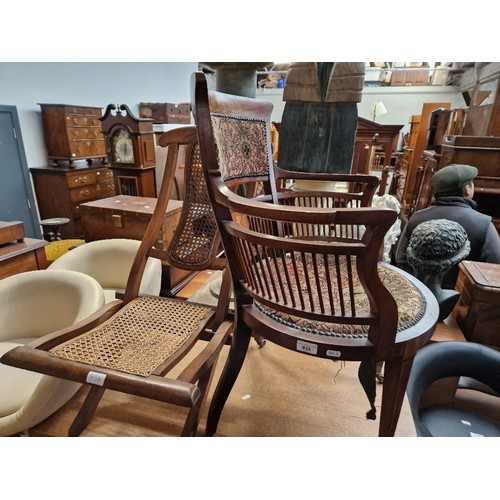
{"points": [[124, 216], [60, 190]]}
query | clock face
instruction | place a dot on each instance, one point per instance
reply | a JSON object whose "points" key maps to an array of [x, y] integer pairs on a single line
{"points": [[123, 148]]}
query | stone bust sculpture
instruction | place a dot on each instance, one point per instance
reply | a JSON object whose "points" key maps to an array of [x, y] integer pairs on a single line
{"points": [[434, 248]]}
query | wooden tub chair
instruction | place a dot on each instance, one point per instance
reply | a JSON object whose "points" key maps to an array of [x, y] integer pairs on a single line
{"points": [[306, 271]]}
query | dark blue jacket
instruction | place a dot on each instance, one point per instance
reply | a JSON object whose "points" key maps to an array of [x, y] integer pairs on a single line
{"points": [[482, 234]]}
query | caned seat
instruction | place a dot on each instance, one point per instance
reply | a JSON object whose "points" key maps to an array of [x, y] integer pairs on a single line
{"points": [[133, 344], [306, 266]]}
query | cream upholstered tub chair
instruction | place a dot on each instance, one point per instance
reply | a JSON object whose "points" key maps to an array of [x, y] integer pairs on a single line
{"points": [[109, 262], [34, 304]]}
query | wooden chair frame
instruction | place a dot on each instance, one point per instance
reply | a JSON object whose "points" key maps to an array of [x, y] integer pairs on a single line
{"points": [[288, 258], [133, 343]]}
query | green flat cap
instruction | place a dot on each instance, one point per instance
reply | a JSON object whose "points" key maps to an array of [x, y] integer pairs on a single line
{"points": [[453, 178]]}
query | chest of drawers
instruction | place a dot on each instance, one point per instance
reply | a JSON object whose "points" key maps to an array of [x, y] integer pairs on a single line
{"points": [[60, 191], [73, 132]]}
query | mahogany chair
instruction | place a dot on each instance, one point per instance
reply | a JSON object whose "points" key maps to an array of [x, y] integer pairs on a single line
{"points": [[132, 344], [306, 270]]}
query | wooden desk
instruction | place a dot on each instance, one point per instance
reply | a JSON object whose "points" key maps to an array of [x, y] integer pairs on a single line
{"points": [[18, 257], [128, 217]]}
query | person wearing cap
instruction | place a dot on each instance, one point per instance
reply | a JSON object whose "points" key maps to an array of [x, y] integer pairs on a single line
{"points": [[453, 191]]}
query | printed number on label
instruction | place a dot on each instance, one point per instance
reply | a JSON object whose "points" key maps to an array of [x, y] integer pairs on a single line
{"points": [[95, 378], [307, 347]]}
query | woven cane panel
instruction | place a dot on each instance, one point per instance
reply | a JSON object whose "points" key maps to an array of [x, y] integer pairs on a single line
{"points": [[194, 241], [139, 338]]}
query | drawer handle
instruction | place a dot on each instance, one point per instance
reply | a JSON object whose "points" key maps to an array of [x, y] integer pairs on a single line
{"points": [[81, 179], [85, 192], [77, 133]]}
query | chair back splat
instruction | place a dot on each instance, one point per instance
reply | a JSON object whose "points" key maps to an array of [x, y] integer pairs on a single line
{"points": [[133, 344], [305, 264]]}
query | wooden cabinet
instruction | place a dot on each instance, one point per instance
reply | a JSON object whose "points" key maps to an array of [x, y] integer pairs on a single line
{"points": [[60, 191], [128, 217], [73, 132], [17, 253], [477, 311], [483, 152], [374, 147], [420, 140], [22, 256], [410, 77]]}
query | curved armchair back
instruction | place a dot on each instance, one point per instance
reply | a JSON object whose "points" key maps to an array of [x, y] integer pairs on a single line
{"points": [[35, 303]]}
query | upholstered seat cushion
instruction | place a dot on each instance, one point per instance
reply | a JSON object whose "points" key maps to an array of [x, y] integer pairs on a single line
{"points": [[411, 305], [16, 385]]}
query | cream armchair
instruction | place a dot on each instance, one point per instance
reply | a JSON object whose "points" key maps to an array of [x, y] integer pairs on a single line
{"points": [[109, 262], [33, 304]]}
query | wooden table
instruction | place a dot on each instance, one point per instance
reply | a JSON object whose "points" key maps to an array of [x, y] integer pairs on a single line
{"points": [[20, 256]]}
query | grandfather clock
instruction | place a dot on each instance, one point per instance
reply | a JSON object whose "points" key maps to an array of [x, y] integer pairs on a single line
{"points": [[131, 151]]}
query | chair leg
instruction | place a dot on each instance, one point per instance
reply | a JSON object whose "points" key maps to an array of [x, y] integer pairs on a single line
{"points": [[193, 419], [236, 356], [87, 411], [367, 377], [396, 375]]}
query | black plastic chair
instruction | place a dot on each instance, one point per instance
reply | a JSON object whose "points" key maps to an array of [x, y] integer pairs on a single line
{"points": [[453, 359]]}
